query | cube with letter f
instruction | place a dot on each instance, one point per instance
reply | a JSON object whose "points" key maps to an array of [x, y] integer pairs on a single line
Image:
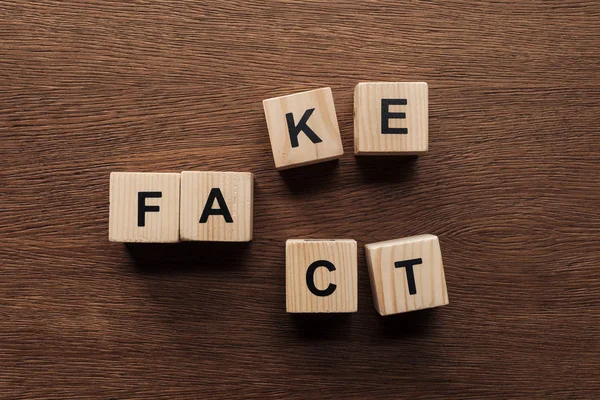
{"points": [[144, 207]]}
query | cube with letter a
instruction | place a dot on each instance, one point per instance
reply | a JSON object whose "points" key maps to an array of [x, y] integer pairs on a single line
{"points": [[406, 274], [321, 276], [216, 206], [144, 207], [303, 128], [391, 118]]}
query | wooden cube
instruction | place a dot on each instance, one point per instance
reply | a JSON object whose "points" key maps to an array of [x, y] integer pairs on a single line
{"points": [[144, 207], [303, 128], [216, 206], [407, 274], [321, 276], [391, 118]]}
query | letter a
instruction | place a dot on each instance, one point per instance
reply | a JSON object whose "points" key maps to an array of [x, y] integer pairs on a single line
{"points": [[215, 193]]}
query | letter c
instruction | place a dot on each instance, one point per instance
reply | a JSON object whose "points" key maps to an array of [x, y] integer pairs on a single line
{"points": [[310, 278]]}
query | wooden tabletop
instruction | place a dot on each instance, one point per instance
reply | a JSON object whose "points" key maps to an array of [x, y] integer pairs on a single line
{"points": [[511, 185]]}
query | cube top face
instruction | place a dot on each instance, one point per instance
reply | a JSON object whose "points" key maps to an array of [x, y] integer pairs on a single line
{"points": [[321, 276], [144, 207], [216, 206], [303, 128], [391, 118], [407, 274]]}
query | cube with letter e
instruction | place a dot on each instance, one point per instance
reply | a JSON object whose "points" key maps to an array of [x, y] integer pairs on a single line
{"points": [[391, 118]]}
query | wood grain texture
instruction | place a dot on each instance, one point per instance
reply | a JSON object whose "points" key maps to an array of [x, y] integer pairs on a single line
{"points": [[236, 192], [372, 137], [390, 284], [510, 185], [340, 275], [313, 113], [160, 223]]}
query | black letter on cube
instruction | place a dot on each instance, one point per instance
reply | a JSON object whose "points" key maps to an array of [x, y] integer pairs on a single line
{"points": [[310, 278], [386, 115], [143, 208], [215, 193], [410, 276], [294, 130]]}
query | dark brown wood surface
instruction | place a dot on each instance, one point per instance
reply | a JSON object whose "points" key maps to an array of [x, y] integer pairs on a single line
{"points": [[511, 185]]}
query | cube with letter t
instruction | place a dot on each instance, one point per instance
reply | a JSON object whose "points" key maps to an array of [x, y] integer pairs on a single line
{"points": [[407, 274], [144, 207], [216, 206], [321, 276], [303, 128], [391, 118]]}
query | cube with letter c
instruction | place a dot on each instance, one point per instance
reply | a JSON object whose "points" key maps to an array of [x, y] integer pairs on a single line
{"points": [[321, 276]]}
